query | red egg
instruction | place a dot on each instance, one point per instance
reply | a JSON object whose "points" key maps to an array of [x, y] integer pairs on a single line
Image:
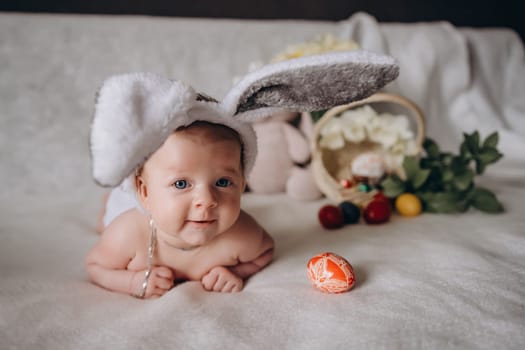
{"points": [[330, 273], [381, 196], [331, 217], [346, 183], [377, 211]]}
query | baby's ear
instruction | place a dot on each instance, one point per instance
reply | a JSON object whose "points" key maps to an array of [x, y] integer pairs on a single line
{"points": [[310, 83], [142, 190]]}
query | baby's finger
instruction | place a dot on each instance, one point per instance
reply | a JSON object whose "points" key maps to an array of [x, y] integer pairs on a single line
{"points": [[156, 293], [164, 272], [219, 285], [164, 283], [237, 287], [232, 287], [209, 280]]}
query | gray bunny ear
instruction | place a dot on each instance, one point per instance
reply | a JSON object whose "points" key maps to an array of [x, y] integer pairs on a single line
{"points": [[310, 83]]}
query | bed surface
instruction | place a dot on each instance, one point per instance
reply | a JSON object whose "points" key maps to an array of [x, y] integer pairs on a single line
{"points": [[431, 282]]}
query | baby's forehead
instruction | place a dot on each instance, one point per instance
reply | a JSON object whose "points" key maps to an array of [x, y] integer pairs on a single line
{"points": [[194, 137], [209, 131]]}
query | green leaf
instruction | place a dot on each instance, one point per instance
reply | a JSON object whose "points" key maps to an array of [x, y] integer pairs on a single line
{"points": [[431, 148], [447, 175], [462, 206], [440, 202], [486, 201], [420, 178], [458, 164], [480, 166], [472, 142], [393, 186], [464, 151], [411, 167], [446, 158], [489, 155], [427, 163], [491, 140], [415, 175], [434, 183], [463, 180]]}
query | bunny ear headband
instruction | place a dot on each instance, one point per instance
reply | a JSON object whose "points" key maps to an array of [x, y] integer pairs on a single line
{"points": [[135, 113]]}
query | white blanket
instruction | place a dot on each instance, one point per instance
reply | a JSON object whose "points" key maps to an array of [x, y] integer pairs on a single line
{"points": [[431, 282]]}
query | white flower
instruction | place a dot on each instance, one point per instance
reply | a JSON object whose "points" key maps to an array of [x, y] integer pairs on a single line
{"points": [[361, 116], [392, 161], [379, 131], [353, 132], [392, 132], [332, 134], [400, 124], [332, 141]]}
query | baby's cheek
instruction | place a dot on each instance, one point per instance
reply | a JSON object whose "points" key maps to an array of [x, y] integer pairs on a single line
{"points": [[229, 214], [170, 219]]}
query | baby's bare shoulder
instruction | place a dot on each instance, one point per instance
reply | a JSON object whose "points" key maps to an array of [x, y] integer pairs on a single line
{"points": [[246, 227], [130, 227], [247, 238], [120, 241]]}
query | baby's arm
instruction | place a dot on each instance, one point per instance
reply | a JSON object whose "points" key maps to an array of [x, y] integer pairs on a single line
{"points": [[107, 261], [252, 259], [253, 249]]}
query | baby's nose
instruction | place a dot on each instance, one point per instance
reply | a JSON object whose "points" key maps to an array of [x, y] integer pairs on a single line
{"points": [[205, 198]]}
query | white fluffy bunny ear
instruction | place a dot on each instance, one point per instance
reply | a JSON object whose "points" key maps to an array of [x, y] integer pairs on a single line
{"points": [[134, 114], [310, 83]]}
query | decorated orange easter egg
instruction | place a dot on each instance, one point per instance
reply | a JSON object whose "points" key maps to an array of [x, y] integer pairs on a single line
{"points": [[330, 273]]}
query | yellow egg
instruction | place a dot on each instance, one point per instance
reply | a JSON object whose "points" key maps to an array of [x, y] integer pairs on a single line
{"points": [[408, 204]]}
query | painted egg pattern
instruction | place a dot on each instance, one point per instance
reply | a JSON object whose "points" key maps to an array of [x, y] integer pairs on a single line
{"points": [[368, 164], [330, 273]]}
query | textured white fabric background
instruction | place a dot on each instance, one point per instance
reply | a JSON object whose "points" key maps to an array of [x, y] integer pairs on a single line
{"points": [[433, 282]]}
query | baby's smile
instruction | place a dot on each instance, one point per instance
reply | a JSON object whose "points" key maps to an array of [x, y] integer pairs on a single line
{"points": [[201, 222]]}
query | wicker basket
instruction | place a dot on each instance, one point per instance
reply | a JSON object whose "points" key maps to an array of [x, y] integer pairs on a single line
{"points": [[330, 165]]}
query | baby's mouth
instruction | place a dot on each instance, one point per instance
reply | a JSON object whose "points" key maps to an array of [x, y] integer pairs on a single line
{"points": [[201, 222]]}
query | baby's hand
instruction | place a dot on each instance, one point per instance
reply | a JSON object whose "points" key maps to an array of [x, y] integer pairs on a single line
{"points": [[160, 281], [221, 279]]}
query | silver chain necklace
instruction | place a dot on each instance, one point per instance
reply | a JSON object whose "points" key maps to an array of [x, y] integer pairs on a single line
{"points": [[151, 253]]}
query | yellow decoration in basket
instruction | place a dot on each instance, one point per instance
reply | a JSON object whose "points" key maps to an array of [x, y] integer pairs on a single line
{"points": [[322, 44]]}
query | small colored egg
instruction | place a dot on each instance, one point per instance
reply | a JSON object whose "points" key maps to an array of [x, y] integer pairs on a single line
{"points": [[377, 211], [351, 212], [408, 204], [381, 196], [330, 273], [369, 164], [331, 217], [364, 187], [346, 183]]}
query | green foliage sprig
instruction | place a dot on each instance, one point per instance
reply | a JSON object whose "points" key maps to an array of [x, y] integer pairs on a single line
{"points": [[445, 182]]}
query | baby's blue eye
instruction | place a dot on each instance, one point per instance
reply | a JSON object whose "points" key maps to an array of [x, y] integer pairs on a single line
{"points": [[180, 184], [223, 182]]}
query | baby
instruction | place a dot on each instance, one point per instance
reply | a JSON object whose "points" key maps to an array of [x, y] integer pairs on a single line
{"points": [[193, 154], [190, 191]]}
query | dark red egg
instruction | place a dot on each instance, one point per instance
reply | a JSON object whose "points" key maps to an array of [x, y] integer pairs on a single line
{"points": [[377, 211], [331, 217]]}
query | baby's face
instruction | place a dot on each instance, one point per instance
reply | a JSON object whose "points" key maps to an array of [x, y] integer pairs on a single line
{"points": [[193, 185]]}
